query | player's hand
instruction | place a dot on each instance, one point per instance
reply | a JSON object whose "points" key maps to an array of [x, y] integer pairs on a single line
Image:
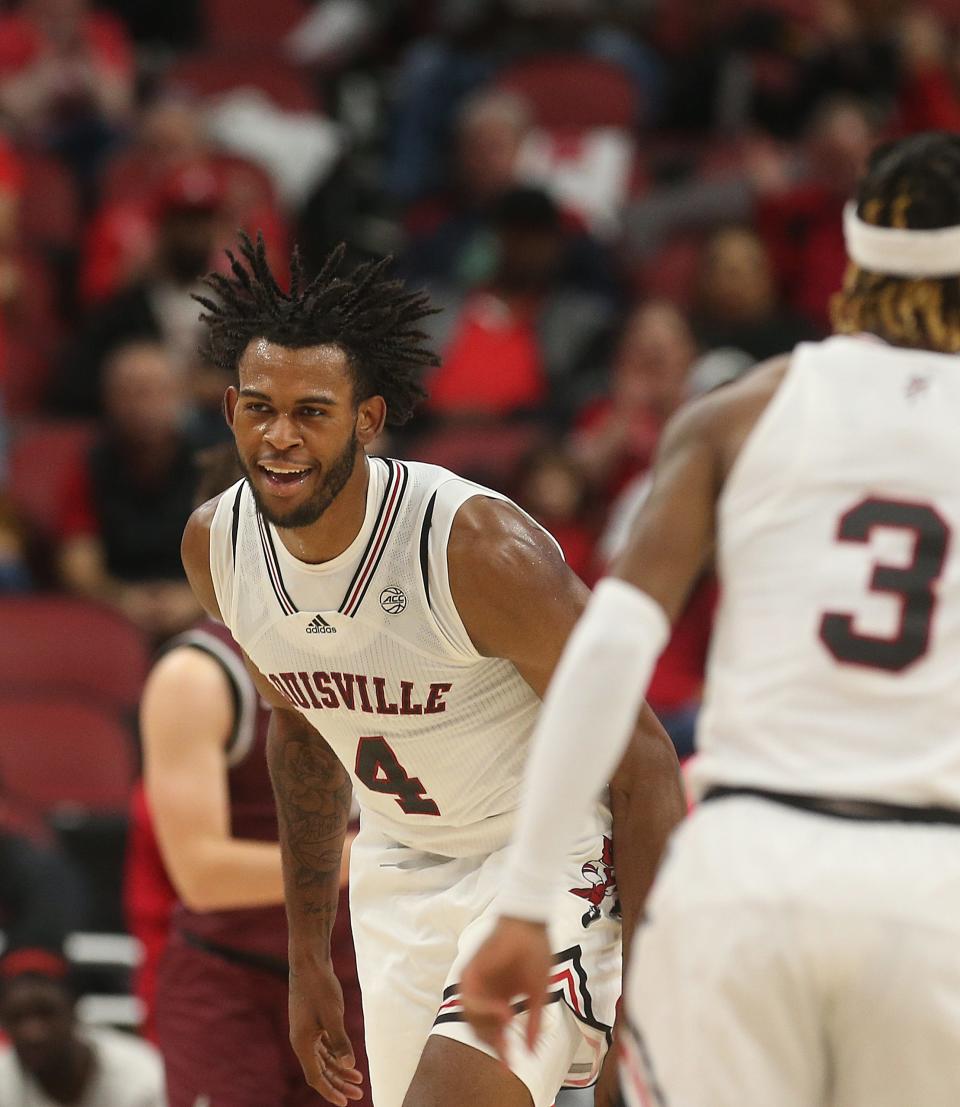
{"points": [[515, 961], [318, 1036]]}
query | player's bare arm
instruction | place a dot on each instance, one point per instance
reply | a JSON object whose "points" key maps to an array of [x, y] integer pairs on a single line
{"points": [[673, 538], [595, 691], [186, 720], [312, 791], [518, 599]]}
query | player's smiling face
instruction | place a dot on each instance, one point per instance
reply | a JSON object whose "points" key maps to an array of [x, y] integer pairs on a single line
{"points": [[298, 427]]}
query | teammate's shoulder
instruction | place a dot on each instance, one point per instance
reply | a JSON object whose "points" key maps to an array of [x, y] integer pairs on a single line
{"points": [[713, 413]]}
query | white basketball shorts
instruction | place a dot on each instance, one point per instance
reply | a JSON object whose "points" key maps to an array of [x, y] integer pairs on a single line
{"points": [[417, 920], [797, 960]]}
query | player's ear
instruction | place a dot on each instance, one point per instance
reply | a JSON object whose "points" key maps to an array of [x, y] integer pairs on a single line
{"points": [[371, 419], [230, 398]]}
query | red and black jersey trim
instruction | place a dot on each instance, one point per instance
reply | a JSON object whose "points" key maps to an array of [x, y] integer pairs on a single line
{"points": [[567, 984], [425, 546], [235, 525], [398, 477], [273, 567], [636, 1068]]}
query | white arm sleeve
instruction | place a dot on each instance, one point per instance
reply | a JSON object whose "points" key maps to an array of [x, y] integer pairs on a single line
{"points": [[582, 733]]}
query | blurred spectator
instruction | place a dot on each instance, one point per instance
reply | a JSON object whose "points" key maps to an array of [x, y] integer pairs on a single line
{"points": [[552, 486], [930, 92], [119, 239], [171, 146], [451, 237], [803, 224], [435, 76], [124, 514], [66, 78], [526, 341], [15, 575], [40, 896], [52, 1060], [618, 434], [737, 305], [852, 55], [159, 305], [161, 24]]}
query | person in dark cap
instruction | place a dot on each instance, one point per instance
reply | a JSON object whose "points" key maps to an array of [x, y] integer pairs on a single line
{"points": [[53, 1060]]}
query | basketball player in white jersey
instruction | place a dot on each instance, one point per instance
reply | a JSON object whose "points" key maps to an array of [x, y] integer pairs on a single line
{"points": [[404, 623], [801, 945]]}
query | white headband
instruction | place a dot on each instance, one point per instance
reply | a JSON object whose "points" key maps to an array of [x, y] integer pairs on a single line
{"points": [[901, 253]]}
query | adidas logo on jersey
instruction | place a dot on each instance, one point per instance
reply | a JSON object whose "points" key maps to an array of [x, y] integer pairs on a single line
{"points": [[320, 626]]}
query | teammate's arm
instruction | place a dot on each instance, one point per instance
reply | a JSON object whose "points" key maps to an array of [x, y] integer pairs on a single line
{"points": [[519, 600], [186, 719], [602, 677]]}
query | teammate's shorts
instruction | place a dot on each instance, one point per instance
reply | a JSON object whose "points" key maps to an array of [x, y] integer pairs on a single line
{"points": [[800, 960], [417, 920]]}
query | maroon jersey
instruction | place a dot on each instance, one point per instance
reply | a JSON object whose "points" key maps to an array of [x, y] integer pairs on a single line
{"points": [[261, 931]]}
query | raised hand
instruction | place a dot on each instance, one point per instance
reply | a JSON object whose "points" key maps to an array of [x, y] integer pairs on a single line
{"points": [[512, 965]]}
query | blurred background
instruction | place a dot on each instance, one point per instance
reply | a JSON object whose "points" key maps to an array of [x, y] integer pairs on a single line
{"points": [[617, 203]]}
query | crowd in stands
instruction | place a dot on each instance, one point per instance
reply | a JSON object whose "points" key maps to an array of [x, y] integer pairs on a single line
{"points": [[617, 204]]}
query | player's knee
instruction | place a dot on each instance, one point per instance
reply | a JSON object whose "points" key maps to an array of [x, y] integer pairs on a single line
{"points": [[451, 1074]]}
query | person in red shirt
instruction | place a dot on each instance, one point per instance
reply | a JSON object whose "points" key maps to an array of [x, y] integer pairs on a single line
{"points": [[552, 486], [803, 225], [617, 434], [66, 77]]}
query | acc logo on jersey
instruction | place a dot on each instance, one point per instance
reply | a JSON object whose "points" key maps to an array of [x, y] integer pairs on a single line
{"points": [[393, 600], [602, 882]]}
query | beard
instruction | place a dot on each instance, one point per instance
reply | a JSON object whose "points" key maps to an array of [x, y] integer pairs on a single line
{"points": [[307, 513]]}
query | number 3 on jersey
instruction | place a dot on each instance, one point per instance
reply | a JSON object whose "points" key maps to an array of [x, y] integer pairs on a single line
{"points": [[379, 769], [912, 584]]}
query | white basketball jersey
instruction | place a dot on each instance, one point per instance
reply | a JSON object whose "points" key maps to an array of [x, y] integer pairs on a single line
{"points": [[369, 647], [835, 657]]}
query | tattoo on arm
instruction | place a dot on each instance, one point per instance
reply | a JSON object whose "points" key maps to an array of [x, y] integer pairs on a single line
{"points": [[312, 791]]}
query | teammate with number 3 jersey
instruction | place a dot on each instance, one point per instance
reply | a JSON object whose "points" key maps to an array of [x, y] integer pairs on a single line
{"points": [[404, 622], [800, 946]]}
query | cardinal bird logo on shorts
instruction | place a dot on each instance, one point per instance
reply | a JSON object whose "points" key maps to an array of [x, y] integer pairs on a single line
{"points": [[602, 882]]}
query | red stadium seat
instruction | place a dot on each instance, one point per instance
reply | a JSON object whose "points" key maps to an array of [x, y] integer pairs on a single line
{"points": [[672, 272], [574, 92], [42, 457], [32, 338], [63, 753], [253, 25], [63, 645], [50, 206], [217, 71]]}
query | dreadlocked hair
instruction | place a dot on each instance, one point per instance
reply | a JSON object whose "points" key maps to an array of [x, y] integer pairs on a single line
{"points": [[372, 319], [911, 184]]}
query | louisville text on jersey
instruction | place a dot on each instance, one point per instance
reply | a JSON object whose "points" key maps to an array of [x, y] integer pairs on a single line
{"points": [[357, 692]]}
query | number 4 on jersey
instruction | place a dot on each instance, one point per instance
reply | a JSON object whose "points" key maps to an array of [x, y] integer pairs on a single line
{"points": [[379, 769]]}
